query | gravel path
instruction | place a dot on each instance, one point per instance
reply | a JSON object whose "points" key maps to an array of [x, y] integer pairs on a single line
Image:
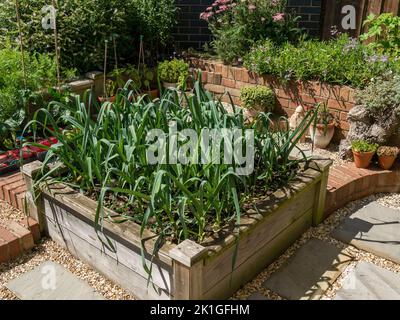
{"points": [[322, 232], [49, 250], [332, 152]]}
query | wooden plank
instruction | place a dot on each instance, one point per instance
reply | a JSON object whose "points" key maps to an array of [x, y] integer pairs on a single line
{"points": [[329, 11], [218, 266], [84, 207], [111, 268], [129, 257], [391, 6], [259, 261]]}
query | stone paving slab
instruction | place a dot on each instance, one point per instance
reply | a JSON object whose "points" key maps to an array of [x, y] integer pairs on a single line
{"points": [[375, 229], [309, 272], [51, 281], [257, 296], [370, 282]]}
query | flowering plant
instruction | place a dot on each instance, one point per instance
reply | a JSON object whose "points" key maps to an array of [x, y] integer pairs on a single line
{"points": [[238, 24]]}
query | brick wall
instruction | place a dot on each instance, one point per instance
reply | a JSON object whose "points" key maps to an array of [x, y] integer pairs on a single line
{"points": [[310, 13], [220, 79], [192, 32]]}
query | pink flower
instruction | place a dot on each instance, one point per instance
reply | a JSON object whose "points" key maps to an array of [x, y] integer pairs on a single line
{"points": [[280, 16], [252, 7]]}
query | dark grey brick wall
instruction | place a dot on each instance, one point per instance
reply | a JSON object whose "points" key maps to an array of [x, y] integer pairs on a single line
{"points": [[310, 14], [192, 32]]}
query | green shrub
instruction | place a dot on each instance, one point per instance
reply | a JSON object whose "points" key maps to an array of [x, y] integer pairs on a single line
{"points": [[382, 94], [384, 33], [342, 61], [258, 98], [157, 19], [174, 71], [14, 96], [84, 25], [237, 24], [363, 146]]}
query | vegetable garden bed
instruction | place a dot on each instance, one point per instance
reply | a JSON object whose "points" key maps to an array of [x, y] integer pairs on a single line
{"points": [[188, 270]]}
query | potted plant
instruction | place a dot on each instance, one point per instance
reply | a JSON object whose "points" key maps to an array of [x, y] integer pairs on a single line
{"points": [[363, 153], [257, 99], [110, 90], [387, 156], [174, 73], [322, 131]]}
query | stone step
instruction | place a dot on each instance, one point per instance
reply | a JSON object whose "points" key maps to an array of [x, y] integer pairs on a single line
{"points": [[373, 228], [51, 281], [369, 282], [309, 272]]}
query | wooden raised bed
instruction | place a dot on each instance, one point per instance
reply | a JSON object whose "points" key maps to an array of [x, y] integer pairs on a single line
{"points": [[187, 270]]}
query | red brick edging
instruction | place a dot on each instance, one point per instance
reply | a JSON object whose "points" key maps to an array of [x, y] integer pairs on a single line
{"points": [[347, 183], [17, 237]]}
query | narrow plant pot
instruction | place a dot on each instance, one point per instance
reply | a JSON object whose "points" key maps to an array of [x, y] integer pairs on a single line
{"points": [[170, 85], [322, 136], [104, 99], [386, 162], [362, 160]]}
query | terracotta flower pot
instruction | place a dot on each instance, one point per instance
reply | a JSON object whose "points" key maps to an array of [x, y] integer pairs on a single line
{"points": [[386, 162], [104, 99], [363, 159], [322, 136]]}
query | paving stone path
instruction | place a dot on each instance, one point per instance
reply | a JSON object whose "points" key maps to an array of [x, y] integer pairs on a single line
{"points": [[316, 266], [51, 281]]}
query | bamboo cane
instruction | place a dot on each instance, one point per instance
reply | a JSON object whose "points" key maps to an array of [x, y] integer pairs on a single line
{"points": [[21, 41], [54, 3]]}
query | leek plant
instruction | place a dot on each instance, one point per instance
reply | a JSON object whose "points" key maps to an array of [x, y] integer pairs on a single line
{"points": [[106, 159]]}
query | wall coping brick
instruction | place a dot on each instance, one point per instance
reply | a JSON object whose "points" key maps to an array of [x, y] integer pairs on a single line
{"points": [[347, 183]]}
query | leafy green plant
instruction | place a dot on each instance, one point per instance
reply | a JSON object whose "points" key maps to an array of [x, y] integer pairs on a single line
{"points": [[388, 151], [237, 24], [174, 71], [363, 146], [383, 33], [19, 94], [83, 26], [382, 94], [107, 160], [258, 98], [342, 61], [156, 20]]}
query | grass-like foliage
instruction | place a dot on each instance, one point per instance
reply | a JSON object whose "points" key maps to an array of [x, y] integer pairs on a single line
{"points": [[106, 159]]}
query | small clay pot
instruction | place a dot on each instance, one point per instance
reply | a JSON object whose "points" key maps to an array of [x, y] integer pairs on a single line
{"points": [[104, 99], [363, 159], [386, 162]]}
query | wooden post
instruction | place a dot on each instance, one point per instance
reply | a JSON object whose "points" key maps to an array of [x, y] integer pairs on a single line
{"points": [[320, 197], [33, 200], [187, 267]]}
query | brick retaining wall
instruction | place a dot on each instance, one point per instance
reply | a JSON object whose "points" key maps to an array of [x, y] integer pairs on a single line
{"points": [[219, 79]]}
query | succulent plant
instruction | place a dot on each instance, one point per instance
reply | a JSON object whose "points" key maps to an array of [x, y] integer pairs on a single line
{"points": [[388, 151]]}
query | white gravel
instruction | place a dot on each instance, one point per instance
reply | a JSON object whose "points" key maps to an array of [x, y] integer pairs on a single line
{"points": [[322, 232], [49, 250]]}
